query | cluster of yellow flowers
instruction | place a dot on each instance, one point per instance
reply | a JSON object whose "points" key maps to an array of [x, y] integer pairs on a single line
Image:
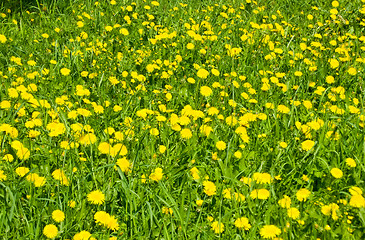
{"points": [[103, 218], [231, 110]]}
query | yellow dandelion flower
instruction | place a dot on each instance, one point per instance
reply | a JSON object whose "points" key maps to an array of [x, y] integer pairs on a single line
{"points": [[195, 173], [199, 203], [209, 188], [217, 227], [71, 203], [88, 139], [202, 73], [262, 178], [2, 175], [21, 171], [191, 80], [96, 197], [355, 191], [50, 231], [220, 145], [283, 109], [162, 148], [166, 210], [357, 201], [298, 73], [285, 202], [352, 71], [124, 31], [350, 162], [3, 39], [334, 63], [123, 164], [330, 79], [106, 220], [307, 145], [154, 132], [303, 194], [293, 213], [242, 223], [8, 157], [336, 173], [108, 28], [83, 235], [283, 145], [237, 154], [270, 231], [206, 91], [330, 210], [65, 71], [58, 215], [39, 181], [104, 148], [186, 133], [190, 46], [60, 175], [260, 194], [80, 24], [335, 4], [156, 175]]}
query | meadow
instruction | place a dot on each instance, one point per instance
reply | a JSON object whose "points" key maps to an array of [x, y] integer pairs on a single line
{"points": [[182, 119]]}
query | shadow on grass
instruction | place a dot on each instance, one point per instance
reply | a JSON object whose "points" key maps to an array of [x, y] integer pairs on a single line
{"points": [[20, 6]]}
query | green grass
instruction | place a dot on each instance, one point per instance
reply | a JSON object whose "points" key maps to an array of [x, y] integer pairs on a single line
{"points": [[111, 56]]}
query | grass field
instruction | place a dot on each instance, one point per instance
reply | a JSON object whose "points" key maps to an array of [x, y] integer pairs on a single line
{"points": [[182, 119]]}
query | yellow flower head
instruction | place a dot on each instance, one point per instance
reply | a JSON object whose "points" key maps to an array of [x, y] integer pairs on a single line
{"points": [[285, 202], [83, 235], [206, 91], [264, 178], [307, 145], [221, 145], [2, 38], [209, 188], [65, 71], [96, 197], [242, 223], [58, 215], [124, 164], [199, 203], [156, 175], [186, 133], [260, 194], [336, 173], [350, 162], [50, 231], [270, 231], [217, 227], [202, 73], [293, 213], [303, 194]]}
